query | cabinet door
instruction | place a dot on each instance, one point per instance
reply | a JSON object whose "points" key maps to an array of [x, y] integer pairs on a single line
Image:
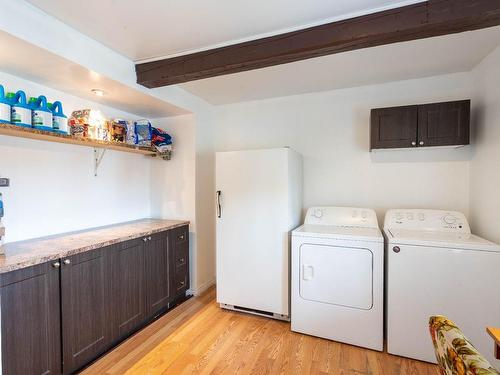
{"points": [[444, 124], [179, 244], [84, 303], [128, 287], [158, 273], [394, 127], [30, 319]]}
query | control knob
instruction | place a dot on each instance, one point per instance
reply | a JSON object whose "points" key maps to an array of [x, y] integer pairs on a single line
{"points": [[318, 213], [449, 219]]}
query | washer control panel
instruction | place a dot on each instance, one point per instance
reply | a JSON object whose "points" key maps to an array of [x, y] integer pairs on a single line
{"points": [[342, 216], [415, 219]]}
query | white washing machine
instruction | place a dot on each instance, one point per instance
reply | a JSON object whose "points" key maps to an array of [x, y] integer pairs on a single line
{"points": [[337, 276], [435, 266]]}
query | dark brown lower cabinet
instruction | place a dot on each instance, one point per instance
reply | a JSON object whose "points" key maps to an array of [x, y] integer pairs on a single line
{"points": [[158, 273], [98, 298], [128, 287], [179, 243], [31, 337], [85, 283]]}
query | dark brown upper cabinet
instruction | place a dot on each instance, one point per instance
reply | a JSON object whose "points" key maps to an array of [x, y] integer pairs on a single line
{"points": [[444, 124], [394, 127], [436, 124]]}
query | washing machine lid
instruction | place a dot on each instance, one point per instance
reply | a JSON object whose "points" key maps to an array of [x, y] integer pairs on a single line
{"points": [[351, 233], [463, 241]]}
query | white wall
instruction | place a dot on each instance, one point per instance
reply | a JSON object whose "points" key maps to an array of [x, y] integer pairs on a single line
{"points": [[173, 193], [173, 181], [53, 188], [331, 131], [485, 166], [184, 188], [205, 200]]}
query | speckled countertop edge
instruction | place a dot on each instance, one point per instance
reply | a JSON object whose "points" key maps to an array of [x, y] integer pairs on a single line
{"points": [[31, 252]]}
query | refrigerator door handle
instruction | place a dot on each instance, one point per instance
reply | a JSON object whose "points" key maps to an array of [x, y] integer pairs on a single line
{"points": [[219, 208]]}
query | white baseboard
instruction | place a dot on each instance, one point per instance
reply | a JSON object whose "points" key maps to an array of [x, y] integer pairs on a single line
{"points": [[201, 288]]}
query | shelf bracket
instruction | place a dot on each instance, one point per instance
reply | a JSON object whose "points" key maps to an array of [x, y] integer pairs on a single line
{"points": [[98, 155]]}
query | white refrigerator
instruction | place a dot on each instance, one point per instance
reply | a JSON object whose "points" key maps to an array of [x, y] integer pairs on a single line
{"points": [[259, 201]]}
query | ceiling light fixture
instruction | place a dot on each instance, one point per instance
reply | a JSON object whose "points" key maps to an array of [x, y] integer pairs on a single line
{"points": [[97, 92]]}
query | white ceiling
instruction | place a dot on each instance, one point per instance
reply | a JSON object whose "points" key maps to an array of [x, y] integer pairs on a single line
{"points": [[147, 29], [144, 29], [393, 62], [54, 71]]}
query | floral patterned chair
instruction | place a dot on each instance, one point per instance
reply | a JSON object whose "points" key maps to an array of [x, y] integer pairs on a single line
{"points": [[455, 354]]}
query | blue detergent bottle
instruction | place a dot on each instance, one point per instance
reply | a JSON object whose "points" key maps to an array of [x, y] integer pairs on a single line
{"points": [[41, 114], [4, 107], [59, 119], [20, 113]]}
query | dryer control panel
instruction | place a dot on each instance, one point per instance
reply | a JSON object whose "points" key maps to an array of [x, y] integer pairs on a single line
{"points": [[437, 220], [342, 217]]}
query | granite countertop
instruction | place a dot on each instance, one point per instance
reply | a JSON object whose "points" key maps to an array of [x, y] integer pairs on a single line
{"points": [[28, 253]]}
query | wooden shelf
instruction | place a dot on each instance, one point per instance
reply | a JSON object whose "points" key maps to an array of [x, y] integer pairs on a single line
{"points": [[18, 131]]}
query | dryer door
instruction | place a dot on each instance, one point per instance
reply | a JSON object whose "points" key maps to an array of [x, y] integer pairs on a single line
{"points": [[337, 275]]}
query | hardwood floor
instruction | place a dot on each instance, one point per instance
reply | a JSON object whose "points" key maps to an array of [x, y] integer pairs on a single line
{"points": [[199, 338]]}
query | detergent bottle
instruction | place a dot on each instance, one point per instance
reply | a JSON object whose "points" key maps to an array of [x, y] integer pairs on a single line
{"points": [[20, 111], [4, 107], [59, 119], [41, 114]]}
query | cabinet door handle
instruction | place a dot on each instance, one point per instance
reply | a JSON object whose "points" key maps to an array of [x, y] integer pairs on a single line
{"points": [[149, 238], [145, 239], [414, 143], [67, 261], [181, 260], [56, 264], [421, 143], [181, 237]]}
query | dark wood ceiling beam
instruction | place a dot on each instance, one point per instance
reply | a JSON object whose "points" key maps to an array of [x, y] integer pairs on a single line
{"points": [[417, 21]]}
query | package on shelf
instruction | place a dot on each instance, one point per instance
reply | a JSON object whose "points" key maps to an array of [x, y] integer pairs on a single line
{"points": [[162, 142], [143, 132], [118, 130], [130, 138], [89, 123]]}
